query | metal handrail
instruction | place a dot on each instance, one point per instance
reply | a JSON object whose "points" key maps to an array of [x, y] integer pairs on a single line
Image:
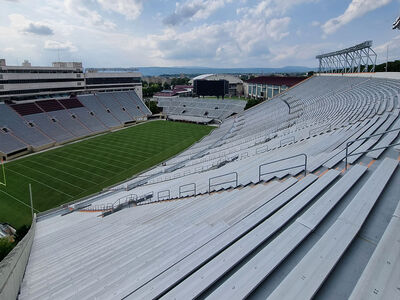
{"points": [[369, 150], [185, 185], [282, 159], [168, 195], [289, 139], [225, 182], [126, 198]]}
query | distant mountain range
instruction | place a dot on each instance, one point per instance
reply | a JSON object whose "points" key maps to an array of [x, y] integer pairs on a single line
{"points": [[157, 71]]}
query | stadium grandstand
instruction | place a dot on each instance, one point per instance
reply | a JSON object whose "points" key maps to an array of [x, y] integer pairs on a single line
{"points": [[37, 125], [199, 110], [295, 198], [41, 107]]}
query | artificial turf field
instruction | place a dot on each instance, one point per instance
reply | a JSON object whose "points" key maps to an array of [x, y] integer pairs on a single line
{"points": [[76, 170]]}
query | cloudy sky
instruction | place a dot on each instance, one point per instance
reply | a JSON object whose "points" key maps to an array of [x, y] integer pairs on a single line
{"points": [[213, 33]]}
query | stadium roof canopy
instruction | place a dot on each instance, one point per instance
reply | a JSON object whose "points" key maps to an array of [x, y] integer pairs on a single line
{"points": [[231, 78]]}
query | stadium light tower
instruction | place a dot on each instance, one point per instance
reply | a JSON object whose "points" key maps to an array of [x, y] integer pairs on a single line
{"points": [[396, 24], [354, 59]]}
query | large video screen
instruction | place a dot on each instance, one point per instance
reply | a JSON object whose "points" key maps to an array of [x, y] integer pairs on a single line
{"points": [[211, 87]]}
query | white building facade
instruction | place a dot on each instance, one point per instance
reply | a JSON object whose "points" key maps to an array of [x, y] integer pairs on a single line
{"points": [[62, 78], [266, 87]]}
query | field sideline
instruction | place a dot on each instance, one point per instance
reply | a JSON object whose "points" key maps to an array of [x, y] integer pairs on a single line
{"points": [[76, 170]]}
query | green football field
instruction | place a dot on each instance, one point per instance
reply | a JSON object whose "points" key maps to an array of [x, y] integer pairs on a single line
{"points": [[76, 170]]}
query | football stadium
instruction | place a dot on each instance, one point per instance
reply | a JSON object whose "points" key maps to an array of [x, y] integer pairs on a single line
{"points": [[297, 197], [294, 198]]}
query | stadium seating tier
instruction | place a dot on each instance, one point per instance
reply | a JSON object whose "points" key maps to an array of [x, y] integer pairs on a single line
{"points": [[42, 124], [263, 207]]}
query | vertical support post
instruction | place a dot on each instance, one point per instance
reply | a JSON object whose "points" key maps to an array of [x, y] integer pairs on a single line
{"points": [[347, 153], [387, 57], [4, 173], [30, 195]]}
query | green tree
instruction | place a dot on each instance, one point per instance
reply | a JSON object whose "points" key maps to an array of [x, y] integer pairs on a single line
{"points": [[150, 90], [6, 245], [252, 102], [153, 107], [166, 86], [180, 81], [21, 232]]}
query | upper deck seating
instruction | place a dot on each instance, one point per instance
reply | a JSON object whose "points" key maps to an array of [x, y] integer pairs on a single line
{"points": [[246, 216]]}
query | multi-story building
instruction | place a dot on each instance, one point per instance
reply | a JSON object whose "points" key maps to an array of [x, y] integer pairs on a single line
{"points": [[113, 79], [266, 87], [62, 78], [27, 82], [177, 91]]}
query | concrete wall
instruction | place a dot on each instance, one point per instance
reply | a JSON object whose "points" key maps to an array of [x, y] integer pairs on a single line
{"points": [[12, 268]]}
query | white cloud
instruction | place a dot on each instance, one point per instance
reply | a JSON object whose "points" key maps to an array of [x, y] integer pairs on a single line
{"points": [[26, 26], [230, 42], [300, 52], [131, 9], [269, 8], [55, 45], [39, 29], [356, 9], [277, 28], [90, 17], [394, 49], [193, 10]]}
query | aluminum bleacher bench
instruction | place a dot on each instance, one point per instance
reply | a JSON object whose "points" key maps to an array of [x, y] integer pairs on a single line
{"points": [[309, 274]]}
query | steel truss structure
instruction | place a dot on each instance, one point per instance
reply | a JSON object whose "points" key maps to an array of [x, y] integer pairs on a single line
{"points": [[396, 24], [355, 59]]}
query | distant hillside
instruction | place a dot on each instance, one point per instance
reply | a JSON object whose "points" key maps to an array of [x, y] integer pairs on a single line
{"points": [[157, 71]]}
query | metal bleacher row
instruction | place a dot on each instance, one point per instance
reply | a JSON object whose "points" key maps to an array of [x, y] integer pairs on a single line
{"points": [[201, 110], [262, 208], [41, 124]]}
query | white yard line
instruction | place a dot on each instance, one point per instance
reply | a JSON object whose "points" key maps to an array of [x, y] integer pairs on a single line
{"points": [[53, 177], [20, 201], [103, 160], [80, 178], [123, 148], [108, 150], [74, 160], [74, 167], [50, 187]]}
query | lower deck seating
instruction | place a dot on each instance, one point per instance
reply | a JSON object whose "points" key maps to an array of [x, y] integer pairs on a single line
{"points": [[10, 144], [201, 107], [41, 124]]}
